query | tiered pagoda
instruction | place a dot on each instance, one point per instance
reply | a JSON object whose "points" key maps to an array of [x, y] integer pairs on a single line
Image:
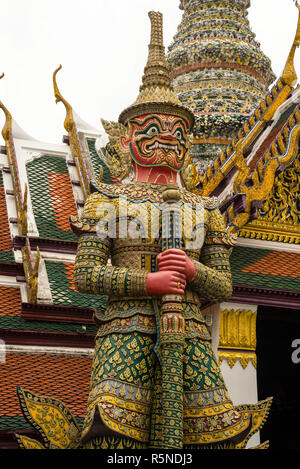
{"points": [[246, 137], [218, 71]]}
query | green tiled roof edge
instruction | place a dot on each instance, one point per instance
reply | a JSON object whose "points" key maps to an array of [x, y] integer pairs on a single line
{"points": [[18, 422], [7, 256], [17, 323]]}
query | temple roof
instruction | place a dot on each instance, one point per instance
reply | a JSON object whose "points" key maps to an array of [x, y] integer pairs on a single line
{"points": [[265, 268], [61, 377]]}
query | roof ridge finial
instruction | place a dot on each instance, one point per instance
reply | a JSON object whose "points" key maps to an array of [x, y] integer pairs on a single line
{"points": [[289, 75]]}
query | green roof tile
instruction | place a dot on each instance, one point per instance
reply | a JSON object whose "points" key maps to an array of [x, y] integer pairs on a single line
{"points": [[48, 206], [60, 277], [97, 162], [17, 323]]}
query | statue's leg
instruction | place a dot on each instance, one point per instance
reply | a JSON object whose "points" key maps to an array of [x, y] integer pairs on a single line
{"points": [[119, 405], [210, 419]]}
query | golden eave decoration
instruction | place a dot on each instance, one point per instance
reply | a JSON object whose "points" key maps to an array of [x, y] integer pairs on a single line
{"points": [[289, 75], [20, 200], [31, 270], [251, 129], [156, 93], [76, 150]]}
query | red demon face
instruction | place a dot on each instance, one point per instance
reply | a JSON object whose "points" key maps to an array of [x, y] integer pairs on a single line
{"points": [[158, 140]]}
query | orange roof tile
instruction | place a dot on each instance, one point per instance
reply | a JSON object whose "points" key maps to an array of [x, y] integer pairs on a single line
{"points": [[5, 239], [62, 199], [69, 269], [60, 377], [285, 264], [10, 301]]}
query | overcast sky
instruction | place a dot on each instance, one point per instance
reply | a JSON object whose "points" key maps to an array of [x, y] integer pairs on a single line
{"points": [[102, 45]]}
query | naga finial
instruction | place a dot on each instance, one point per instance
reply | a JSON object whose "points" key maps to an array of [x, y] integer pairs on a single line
{"points": [[59, 98], [289, 76]]}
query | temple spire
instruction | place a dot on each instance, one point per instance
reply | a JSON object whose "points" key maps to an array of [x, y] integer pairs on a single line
{"points": [[218, 70]]}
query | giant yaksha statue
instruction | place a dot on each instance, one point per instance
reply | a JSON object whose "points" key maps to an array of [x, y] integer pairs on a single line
{"points": [[155, 380], [160, 253]]}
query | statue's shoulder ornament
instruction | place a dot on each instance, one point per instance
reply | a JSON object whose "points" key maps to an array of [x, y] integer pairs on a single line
{"points": [[209, 203], [93, 209]]}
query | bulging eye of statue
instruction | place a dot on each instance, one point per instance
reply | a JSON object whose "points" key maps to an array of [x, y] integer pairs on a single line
{"points": [[152, 131], [178, 135]]}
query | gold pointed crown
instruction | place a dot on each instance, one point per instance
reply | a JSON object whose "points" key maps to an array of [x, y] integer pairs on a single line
{"points": [[156, 93]]}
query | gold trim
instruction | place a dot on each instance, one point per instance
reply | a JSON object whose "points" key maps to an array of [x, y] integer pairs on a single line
{"points": [[238, 329], [232, 357], [31, 269], [264, 174], [217, 140], [76, 150], [271, 231], [28, 443], [21, 203], [237, 337], [289, 75]]}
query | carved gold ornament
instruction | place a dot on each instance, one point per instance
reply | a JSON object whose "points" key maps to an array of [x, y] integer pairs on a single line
{"points": [[76, 150], [237, 337], [20, 200]]}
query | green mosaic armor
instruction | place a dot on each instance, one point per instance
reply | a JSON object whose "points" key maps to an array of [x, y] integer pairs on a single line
{"points": [[125, 389]]}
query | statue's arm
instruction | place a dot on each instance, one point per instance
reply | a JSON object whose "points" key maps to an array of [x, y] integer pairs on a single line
{"points": [[212, 279], [92, 274]]}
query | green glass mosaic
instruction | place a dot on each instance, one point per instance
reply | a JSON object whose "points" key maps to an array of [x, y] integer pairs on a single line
{"points": [[43, 210]]}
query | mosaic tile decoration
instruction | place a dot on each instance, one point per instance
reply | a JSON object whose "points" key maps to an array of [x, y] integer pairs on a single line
{"points": [[219, 72], [51, 196]]}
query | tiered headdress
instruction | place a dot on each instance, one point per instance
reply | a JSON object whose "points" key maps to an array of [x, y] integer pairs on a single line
{"points": [[156, 93]]}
